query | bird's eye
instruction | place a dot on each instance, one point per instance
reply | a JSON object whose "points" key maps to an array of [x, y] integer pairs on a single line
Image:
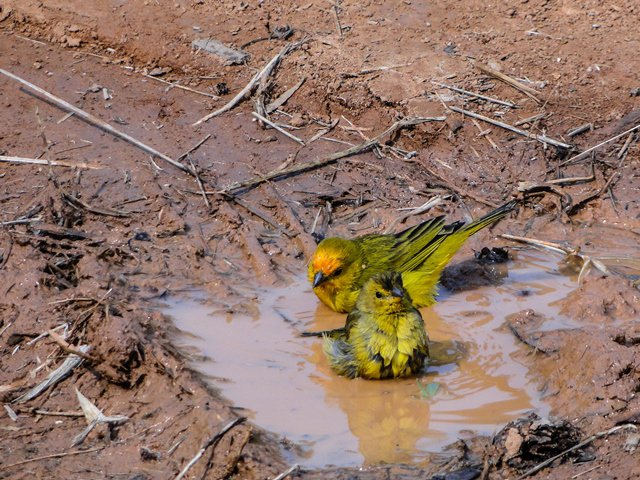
{"points": [[378, 294], [338, 271]]}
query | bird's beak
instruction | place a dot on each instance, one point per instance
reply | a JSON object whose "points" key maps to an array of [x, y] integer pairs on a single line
{"points": [[397, 292], [318, 279]]}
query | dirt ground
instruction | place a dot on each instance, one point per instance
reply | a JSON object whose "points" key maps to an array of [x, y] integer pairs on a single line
{"points": [[98, 244]]}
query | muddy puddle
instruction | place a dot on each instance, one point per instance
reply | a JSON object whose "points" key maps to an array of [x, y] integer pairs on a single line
{"points": [[477, 382]]}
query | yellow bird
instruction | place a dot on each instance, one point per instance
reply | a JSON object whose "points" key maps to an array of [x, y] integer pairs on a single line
{"points": [[384, 336], [339, 267]]}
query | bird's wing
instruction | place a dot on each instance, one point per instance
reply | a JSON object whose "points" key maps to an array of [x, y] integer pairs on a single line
{"points": [[452, 236], [416, 244]]}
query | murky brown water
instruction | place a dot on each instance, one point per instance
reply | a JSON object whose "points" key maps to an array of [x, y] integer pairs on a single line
{"points": [[284, 382]]}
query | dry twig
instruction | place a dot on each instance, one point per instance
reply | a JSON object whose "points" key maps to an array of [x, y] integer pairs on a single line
{"points": [[200, 184], [581, 129], [6, 253], [458, 190], [580, 204], [258, 77], [528, 91], [287, 472], [87, 117], [475, 95], [194, 148], [506, 126], [532, 119], [583, 155], [428, 205], [41, 161], [337, 15], [79, 204], [47, 457], [320, 162], [584, 443], [211, 442], [182, 87], [571, 254], [367, 71], [278, 128]]}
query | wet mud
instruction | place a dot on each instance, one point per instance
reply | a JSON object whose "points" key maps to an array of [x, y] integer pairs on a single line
{"points": [[100, 241]]}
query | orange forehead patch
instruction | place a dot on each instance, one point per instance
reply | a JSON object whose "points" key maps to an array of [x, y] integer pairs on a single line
{"points": [[325, 264]]}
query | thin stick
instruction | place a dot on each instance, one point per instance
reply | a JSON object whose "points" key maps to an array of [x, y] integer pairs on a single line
{"points": [[428, 205], [37, 42], [485, 134], [528, 91], [278, 128], [506, 126], [554, 247], [287, 472], [5, 328], [212, 441], [77, 147], [337, 15], [177, 85], [459, 191], [261, 215], [531, 119], [67, 347], [58, 414], [367, 71], [54, 455], [320, 162], [577, 206], [580, 156], [79, 204], [87, 117], [21, 221], [40, 161], [581, 129], [200, 185], [571, 180], [476, 95], [246, 91], [5, 258], [625, 147], [195, 147], [585, 442], [586, 471]]}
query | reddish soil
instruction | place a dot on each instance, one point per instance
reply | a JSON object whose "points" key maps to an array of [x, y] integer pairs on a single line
{"points": [[139, 229]]}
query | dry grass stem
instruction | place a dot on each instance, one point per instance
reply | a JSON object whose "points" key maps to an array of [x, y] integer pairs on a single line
{"points": [[511, 128]]}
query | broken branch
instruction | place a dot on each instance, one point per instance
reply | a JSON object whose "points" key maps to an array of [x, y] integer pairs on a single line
{"points": [[581, 156], [475, 95], [320, 162], [528, 91], [248, 89], [211, 442], [506, 126], [87, 117], [40, 161]]}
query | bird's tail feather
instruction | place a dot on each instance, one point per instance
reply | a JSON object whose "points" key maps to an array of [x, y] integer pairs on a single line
{"points": [[489, 218], [421, 282]]}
